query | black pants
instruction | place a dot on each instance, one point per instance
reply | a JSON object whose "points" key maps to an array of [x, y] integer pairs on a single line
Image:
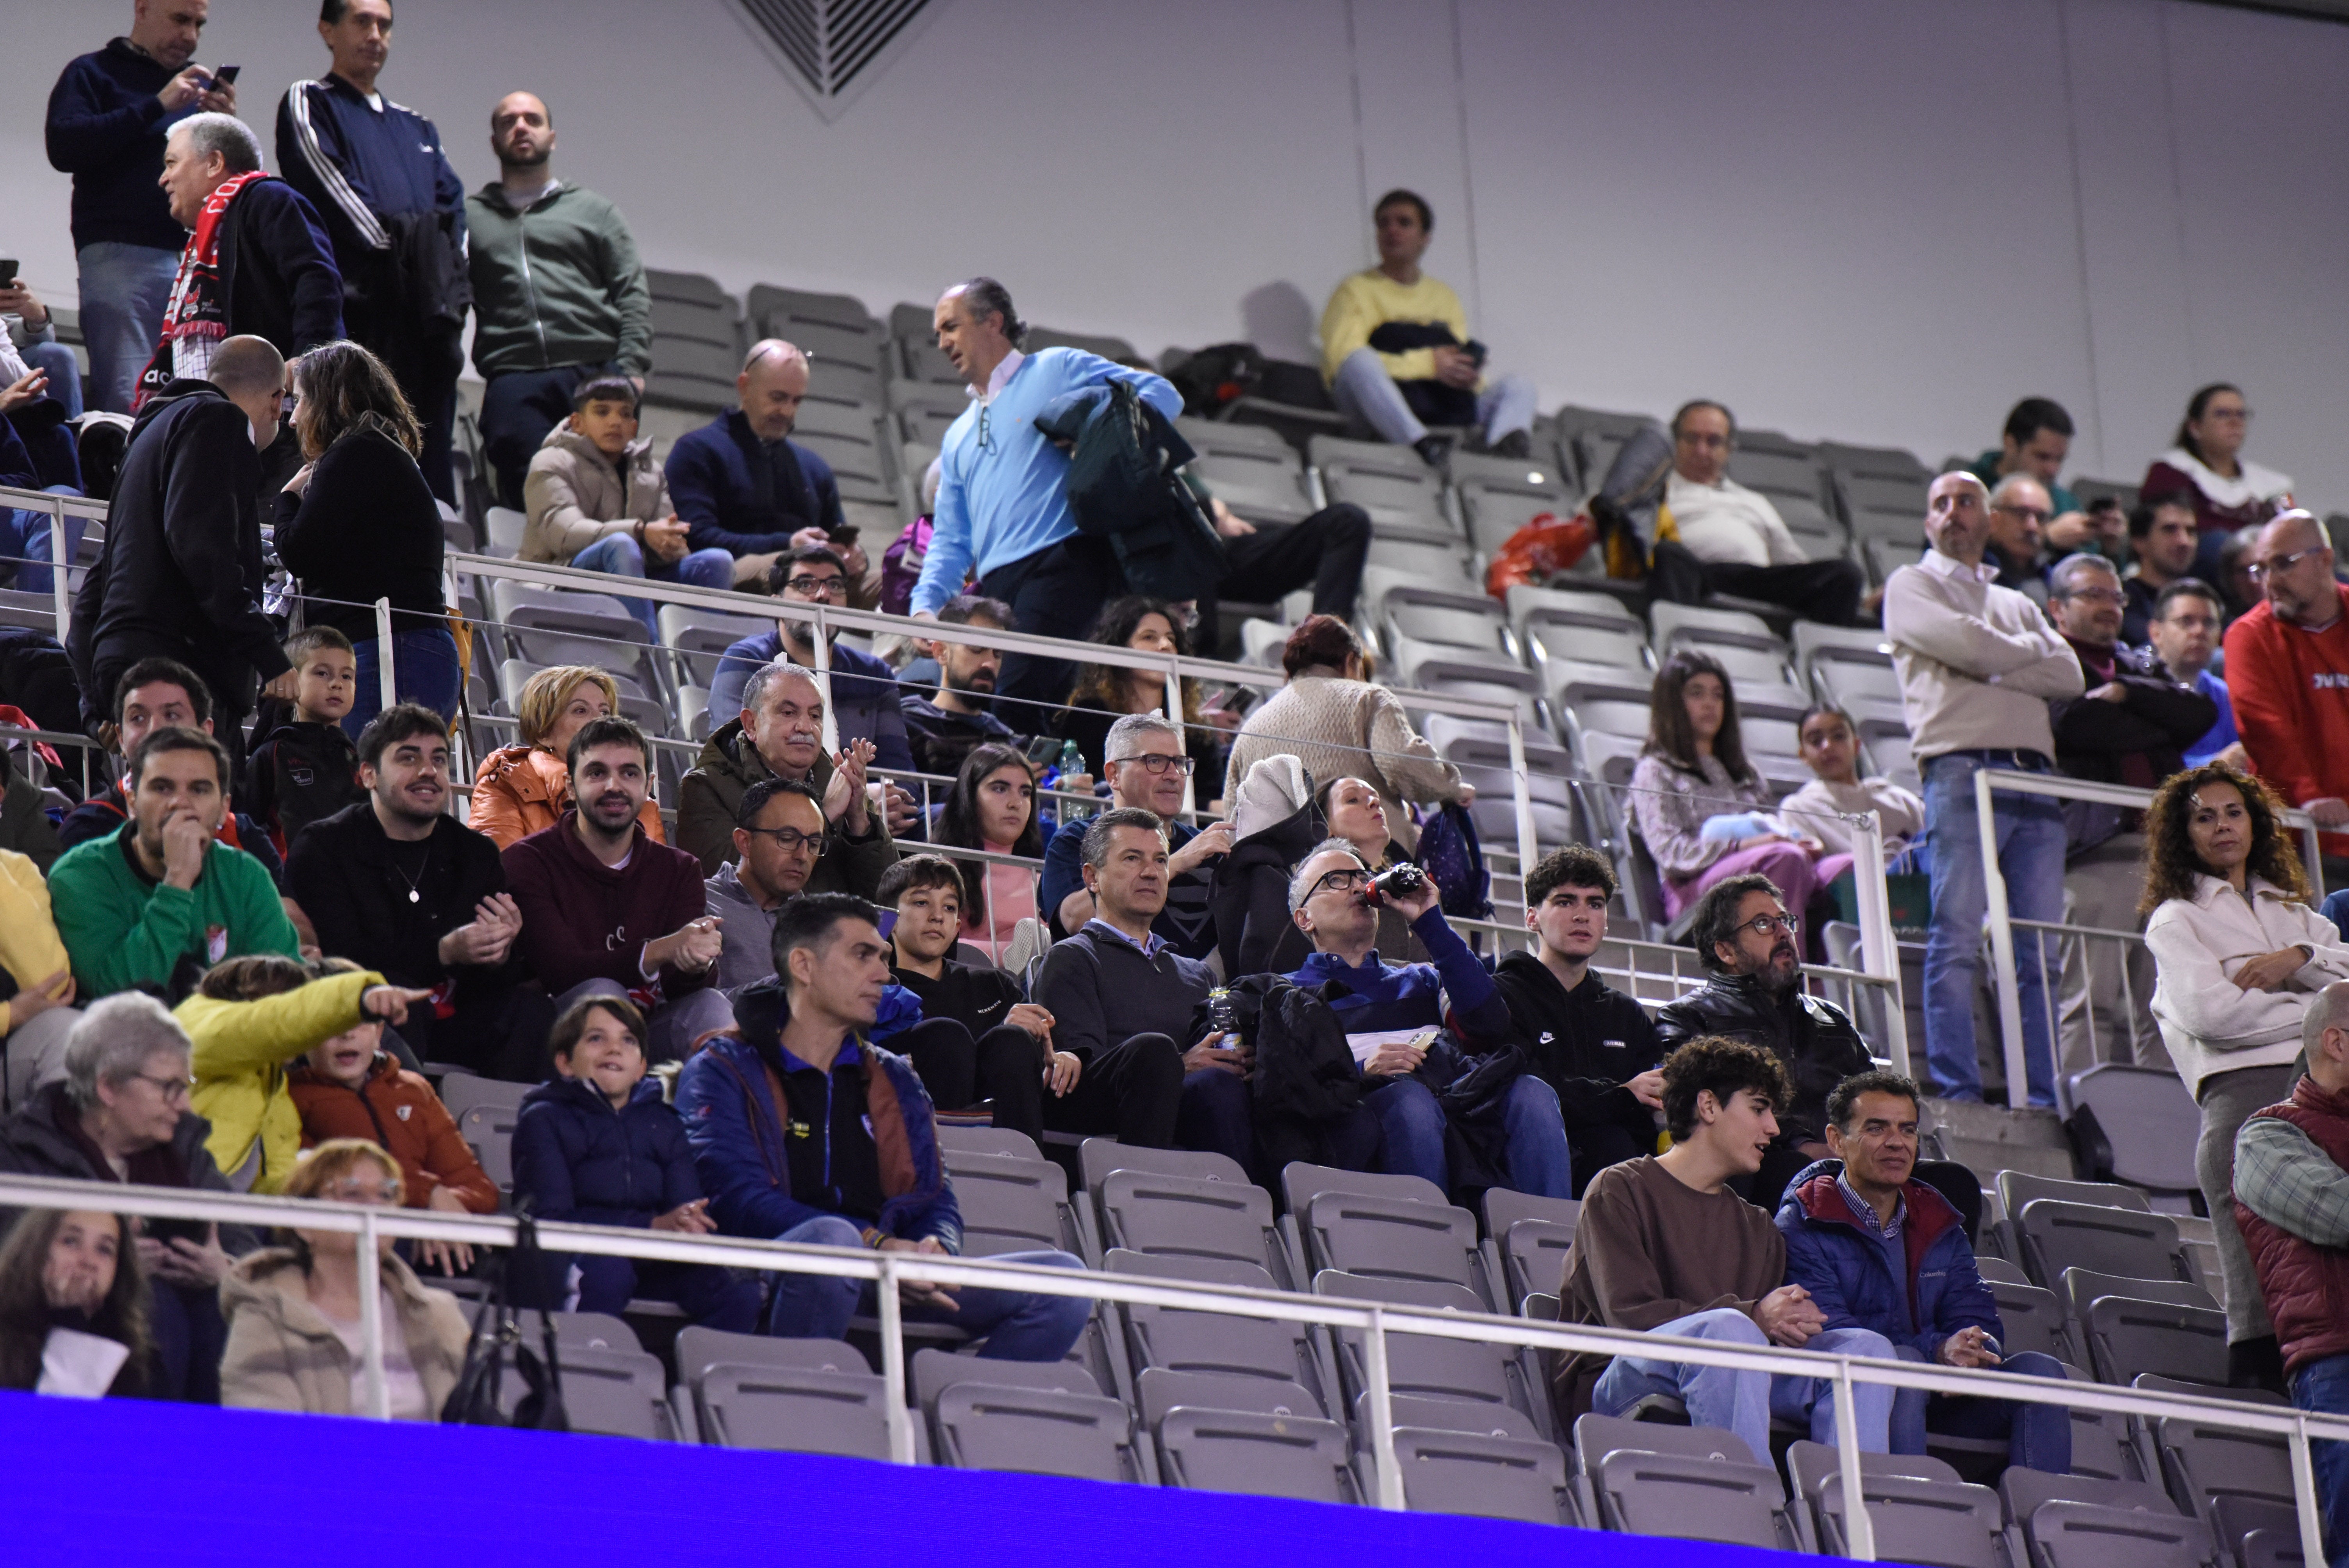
{"points": [[1601, 1144], [500, 1034], [1005, 1065], [518, 408], [1056, 593], [1325, 551], [1134, 1089], [190, 1335]]}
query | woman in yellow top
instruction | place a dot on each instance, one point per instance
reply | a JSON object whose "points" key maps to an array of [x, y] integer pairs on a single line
{"points": [[520, 789], [250, 1019], [36, 1019]]}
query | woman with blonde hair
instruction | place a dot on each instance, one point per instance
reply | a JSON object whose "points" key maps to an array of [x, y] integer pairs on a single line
{"points": [[293, 1335], [2238, 953], [358, 523], [520, 789]]}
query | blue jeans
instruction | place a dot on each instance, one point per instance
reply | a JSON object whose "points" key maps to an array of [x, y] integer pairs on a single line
{"points": [[2030, 833], [1534, 1136], [424, 669], [65, 373], [622, 556], [2324, 1386], [1017, 1326], [124, 289], [1744, 1402], [25, 539], [2038, 1437], [1363, 388]]}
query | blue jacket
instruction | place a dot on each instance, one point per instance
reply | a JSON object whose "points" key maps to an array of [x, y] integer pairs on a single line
{"points": [[577, 1159], [724, 487], [359, 166], [728, 1097], [1009, 498], [864, 696], [1383, 997], [106, 127], [1919, 1299]]}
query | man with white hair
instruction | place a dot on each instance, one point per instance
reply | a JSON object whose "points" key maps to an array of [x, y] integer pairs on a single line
{"points": [[120, 1114], [779, 733], [2288, 672], [2019, 511], [257, 261]]}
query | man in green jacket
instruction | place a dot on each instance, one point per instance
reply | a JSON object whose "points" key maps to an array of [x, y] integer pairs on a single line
{"points": [[159, 900], [559, 294]]}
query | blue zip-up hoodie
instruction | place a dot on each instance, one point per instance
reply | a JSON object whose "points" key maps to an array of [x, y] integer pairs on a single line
{"points": [[359, 166], [107, 129], [579, 1160], [728, 1097], [1917, 1291]]}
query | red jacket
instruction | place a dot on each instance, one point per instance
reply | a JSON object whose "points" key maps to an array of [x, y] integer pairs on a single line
{"points": [[2291, 692], [2306, 1285], [398, 1109]]}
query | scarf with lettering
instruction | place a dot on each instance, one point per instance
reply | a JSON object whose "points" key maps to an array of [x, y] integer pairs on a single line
{"points": [[196, 319]]}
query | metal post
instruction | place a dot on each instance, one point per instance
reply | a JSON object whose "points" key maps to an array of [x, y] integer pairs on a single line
{"points": [[59, 557], [2303, 1489], [2312, 844], [1175, 714], [379, 1394], [1381, 1412], [387, 682], [1529, 848], [2002, 947], [897, 1419], [1859, 1529], [823, 684], [1880, 951]]}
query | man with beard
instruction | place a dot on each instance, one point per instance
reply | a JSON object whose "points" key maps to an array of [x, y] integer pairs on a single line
{"points": [[1743, 934], [941, 728], [593, 887], [406, 889]]}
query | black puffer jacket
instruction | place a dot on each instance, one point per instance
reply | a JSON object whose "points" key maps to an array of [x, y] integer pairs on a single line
{"points": [[1816, 1040], [36, 1142]]}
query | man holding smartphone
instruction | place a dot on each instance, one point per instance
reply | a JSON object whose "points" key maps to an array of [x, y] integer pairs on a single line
{"points": [[107, 116]]}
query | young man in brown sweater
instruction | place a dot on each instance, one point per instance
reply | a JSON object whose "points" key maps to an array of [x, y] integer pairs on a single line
{"points": [[1665, 1247]]}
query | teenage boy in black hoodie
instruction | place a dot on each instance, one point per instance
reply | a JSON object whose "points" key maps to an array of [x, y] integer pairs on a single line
{"points": [[1595, 1044], [306, 769]]}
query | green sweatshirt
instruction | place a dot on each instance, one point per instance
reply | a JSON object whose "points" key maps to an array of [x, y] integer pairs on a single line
{"points": [[121, 930], [559, 283]]}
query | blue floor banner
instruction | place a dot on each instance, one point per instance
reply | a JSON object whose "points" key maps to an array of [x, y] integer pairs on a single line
{"points": [[124, 1481]]}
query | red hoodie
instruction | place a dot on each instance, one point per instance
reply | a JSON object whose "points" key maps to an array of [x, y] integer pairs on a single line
{"points": [[2291, 692], [582, 920]]}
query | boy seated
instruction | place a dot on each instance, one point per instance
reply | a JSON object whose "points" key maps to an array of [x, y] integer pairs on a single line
{"points": [[306, 769], [598, 1145], [1831, 746], [979, 1038], [595, 499]]}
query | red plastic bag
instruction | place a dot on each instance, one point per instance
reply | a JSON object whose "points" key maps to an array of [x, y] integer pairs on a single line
{"points": [[1542, 547]]}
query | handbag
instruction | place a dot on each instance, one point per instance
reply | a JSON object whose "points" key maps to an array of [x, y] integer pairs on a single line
{"points": [[497, 1328], [1450, 853]]}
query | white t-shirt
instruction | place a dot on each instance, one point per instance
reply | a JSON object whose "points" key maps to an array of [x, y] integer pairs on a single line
{"points": [[400, 1376], [1727, 524]]}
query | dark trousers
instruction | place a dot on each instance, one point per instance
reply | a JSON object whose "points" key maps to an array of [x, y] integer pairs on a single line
{"points": [[1826, 591], [1601, 1144], [518, 408], [713, 1297], [1324, 552], [190, 1335], [1005, 1065], [500, 1035], [1134, 1089], [1055, 592]]}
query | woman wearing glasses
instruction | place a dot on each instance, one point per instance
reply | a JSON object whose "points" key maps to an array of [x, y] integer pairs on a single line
{"points": [[294, 1336], [1107, 693], [992, 807], [2205, 463]]}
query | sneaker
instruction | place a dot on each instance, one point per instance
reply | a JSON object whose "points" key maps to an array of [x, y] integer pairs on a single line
{"points": [[1517, 445], [1435, 450]]}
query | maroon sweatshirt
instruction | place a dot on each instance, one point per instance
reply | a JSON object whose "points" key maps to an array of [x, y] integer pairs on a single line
{"points": [[582, 920]]}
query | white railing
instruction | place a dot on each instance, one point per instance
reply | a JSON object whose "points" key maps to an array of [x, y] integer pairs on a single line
{"points": [[2000, 920], [1374, 1321]]}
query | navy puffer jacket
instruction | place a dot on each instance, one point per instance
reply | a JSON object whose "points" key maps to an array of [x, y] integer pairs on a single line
{"points": [[1849, 1271], [576, 1159]]}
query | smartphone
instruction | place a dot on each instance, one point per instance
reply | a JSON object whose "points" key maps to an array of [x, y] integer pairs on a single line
{"points": [[225, 74], [844, 534], [7, 272], [167, 1230]]}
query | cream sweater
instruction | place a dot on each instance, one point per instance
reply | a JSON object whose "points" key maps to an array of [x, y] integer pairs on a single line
{"points": [[1978, 662], [1340, 730], [2209, 1024]]}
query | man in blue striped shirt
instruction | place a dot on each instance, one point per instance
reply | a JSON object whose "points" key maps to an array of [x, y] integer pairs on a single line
{"points": [[1003, 498]]}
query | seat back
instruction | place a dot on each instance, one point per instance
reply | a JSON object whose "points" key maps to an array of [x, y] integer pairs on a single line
{"points": [[1648, 1493], [1147, 1212], [2022, 1491], [1159, 1390], [1258, 1454], [1183, 1340], [2057, 1235], [1387, 1239], [1445, 1471], [2017, 1188], [1301, 1183], [798, 1410], [2240, 1524], [1942, 1524], [592, 1331], [1036, 1431], [2127, 1338], [1010, 1204], [619, 1392], [2203, 1463], [2083, 1288], [1421, 1364], [2145, 1121], [996, 1141], [1098, 1158], [489, 1130]]}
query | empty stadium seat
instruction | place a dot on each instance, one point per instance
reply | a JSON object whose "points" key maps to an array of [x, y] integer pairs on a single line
{"points": [[1533, 1258], [1698, 1483], [488, 1130], [1474, 1371], [461, 1092], [697, 342], [1498, 496], [505, 530], [2127, 1336], [987, 1140], [2017, 1188], [1403, 496], [1393, 1236], [2202, 1464], [2255, 1530], [1256, 1454], [1476, 1473], [1184, 1340], [2056, 1235], [593, 1331], [558, 626], [802, 1396], [1921, 1511], [1012, 1204], [2063, 1534], [2136, 1124], [614, 1393], [1182, 1217], [1250, 469]]}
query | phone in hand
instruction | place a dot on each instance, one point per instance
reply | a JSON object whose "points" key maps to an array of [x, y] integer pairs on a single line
{"points": [[7, 272], [844, 534], [225, 75]]}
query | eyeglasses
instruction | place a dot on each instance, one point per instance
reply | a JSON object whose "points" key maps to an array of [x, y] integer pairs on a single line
{"points": [[2035, 513], [352, 1190], [2097, 595], [2242, 414], [809, 587], [1159, 762], [171, 1088], [1342, 881], [1770, 925], [2261, 570], [790, 841]]}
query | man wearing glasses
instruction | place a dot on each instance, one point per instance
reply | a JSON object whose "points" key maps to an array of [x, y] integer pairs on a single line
{"points": [[2288, 671], [1742, 934], [864, 688], [2132, 727], [778, 837], [2019, 511], [1147, 767], [1740, 543]]}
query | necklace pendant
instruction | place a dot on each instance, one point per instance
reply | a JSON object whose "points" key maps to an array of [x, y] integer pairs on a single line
{"points": [[413, 896]]}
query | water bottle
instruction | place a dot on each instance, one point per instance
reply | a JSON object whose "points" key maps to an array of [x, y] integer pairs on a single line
{"points": [[1072, 762], [1222, 1017]]}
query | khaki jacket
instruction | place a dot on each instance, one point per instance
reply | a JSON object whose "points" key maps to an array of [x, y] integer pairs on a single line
{"points": [[283, 1353], [574, 496]]}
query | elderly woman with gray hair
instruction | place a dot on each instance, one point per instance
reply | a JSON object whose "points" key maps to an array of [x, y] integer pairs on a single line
{"points": [[122, 1115]]}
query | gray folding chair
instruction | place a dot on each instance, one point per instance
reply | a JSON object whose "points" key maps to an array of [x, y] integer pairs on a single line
{"points": [[1012, 1204], [2203, 1464], [1000, 1140], [2056, 1235], [1042, 1418], [1259, 1455], [1429, 1367], [1187, 1341], [1385, 1238], [1143, 1212], [1697, 1483], [801, 1396], [614, 1393], [1921, 1511], [488, 1130], [1445, 1471]]}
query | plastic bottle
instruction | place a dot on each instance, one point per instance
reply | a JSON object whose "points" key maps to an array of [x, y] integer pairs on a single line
{"points": [[1222, 1016]]}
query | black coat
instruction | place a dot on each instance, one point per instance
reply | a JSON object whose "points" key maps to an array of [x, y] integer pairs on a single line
{"points": [[34, 1142], [366, 527], [1816, 1041], [1254, 929], [1586, 1043], [577, 1159], [277, 269], [180, 573], [2139, 740], [353, 881]]}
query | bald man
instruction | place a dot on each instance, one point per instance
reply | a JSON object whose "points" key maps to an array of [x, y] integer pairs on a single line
{"points": [[559, 294], [2288, 672], [743, 486], [180, 574], [1979, 663]]}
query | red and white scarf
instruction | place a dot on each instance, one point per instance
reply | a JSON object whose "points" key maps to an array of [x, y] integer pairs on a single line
{"points": [[196, 320]]}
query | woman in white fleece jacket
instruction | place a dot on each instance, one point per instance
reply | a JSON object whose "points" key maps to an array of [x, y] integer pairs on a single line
{"points": [[2239, 952]]}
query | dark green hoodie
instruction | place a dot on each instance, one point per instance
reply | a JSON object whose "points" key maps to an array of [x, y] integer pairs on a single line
{"points": [[559, 283]]}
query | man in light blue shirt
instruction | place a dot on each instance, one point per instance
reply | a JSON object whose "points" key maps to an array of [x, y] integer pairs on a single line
{"points": [[1003, 499], [2184, 631]]}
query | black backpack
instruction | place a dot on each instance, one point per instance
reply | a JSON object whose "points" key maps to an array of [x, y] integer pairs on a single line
{"points": [[1216, 377], [1125, 486]]}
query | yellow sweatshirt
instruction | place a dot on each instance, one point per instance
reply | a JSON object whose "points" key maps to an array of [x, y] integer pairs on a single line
{"points": [[1368, 300], [241, 1052], [30, 948]]}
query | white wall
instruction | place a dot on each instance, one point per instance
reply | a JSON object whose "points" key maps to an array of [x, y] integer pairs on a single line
{"points": [[1877, 219]]}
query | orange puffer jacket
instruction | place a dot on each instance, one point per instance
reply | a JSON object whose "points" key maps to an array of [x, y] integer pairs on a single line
{"points": [[398, 1109]]}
